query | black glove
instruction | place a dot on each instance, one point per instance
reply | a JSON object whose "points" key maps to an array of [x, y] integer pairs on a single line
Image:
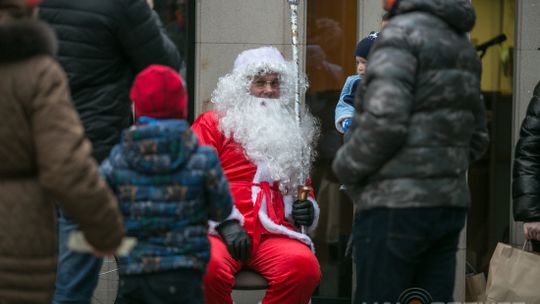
{"points": [[303, 213], [236, 239]]}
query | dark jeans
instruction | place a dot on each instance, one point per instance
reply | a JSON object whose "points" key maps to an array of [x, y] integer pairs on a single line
{"points": [[535, 245], [170, 287], [77, 273], [399, 249]]}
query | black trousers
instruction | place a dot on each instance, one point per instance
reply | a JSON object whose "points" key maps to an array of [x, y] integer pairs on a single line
{"points": [[401, 252], [179, 287], [535, 245]]}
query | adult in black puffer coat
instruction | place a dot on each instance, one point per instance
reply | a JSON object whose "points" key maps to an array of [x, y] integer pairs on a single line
{"points": [[420, 122], [525, 184], [103, 45]]}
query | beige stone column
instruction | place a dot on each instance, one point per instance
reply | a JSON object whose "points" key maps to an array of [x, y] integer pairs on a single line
{"points": [[224, 28]]}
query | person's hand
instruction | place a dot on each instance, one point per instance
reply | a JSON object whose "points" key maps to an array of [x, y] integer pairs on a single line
{"points": [[303, 213], [532, 230], [150, 3], [236, 239], [346, 124]]}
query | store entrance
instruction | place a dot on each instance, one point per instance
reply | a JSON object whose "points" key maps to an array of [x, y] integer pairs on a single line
{"points": [[332, 32], [331, 39], [490, 178]]}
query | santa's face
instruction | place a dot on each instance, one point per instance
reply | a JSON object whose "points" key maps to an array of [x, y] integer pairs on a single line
{"points": [[265, 86], [256, 108]]}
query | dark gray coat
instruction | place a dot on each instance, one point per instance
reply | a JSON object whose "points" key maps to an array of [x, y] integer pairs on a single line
{"points": [[526, 175], [420, 120]]}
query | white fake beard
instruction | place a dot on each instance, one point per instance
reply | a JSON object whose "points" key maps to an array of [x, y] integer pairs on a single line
{"points": [[268, 132]]}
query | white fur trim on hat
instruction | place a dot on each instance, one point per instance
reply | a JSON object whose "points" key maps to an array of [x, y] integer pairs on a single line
{"points": [[258, 56]]}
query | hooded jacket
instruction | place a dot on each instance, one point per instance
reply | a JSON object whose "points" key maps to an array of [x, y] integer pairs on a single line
{"points": [[44, 158], [103, 45], [525, 183], [168, 187], [421, 119]]}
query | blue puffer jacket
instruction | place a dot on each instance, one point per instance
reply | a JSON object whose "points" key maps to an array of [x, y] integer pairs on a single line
{"points": [[168, 187]]}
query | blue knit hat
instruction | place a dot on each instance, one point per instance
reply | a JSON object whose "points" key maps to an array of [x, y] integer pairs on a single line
{"points": [[364, 46]]}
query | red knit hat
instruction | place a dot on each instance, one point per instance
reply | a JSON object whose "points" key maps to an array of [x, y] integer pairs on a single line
{"points": [[158, 92]]}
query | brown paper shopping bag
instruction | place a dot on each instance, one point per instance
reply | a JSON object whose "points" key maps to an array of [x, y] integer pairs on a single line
{"points": [[514, 276], [475, 287]]}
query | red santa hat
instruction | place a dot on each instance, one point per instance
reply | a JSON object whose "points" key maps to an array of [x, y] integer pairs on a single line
{"points": [[158, 92]]}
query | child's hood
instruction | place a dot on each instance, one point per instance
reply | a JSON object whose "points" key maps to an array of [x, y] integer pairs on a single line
{"points": [[161, 146]]}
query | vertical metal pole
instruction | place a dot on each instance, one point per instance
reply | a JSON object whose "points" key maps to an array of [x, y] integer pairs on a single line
{"points": [[293, 4]]}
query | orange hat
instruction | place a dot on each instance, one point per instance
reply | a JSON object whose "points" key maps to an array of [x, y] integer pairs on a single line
{"points": [[158, 92], [391, 3]]}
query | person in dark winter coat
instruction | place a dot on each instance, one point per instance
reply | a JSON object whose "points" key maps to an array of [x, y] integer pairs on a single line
{"points": [[103, 45], [420, 123], [44, 158], [525, 188], [168, 187]]}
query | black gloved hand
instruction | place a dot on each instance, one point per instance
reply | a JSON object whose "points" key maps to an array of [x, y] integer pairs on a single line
{"points": [[236, 239], [303, 213]]}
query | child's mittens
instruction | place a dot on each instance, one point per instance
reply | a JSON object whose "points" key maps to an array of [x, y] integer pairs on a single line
{"points": [[345, 124]]}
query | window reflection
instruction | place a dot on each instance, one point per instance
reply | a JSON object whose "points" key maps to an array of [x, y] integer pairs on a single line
{"points": [[173, 14], [331, 38]]}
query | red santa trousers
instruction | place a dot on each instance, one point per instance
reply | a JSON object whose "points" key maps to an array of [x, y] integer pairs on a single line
{"points": [[290, 267]]}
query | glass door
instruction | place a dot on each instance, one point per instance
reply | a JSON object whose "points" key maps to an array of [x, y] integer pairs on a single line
{"points": [[331, 39], [178, 18]]}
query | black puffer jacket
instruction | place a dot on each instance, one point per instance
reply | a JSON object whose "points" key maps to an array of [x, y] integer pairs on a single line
{"points": [[103, 44], [526, 175], [420, 120]]}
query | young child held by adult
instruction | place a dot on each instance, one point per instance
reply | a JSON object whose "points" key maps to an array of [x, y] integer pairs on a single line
{"points": [[345, 106], [168, 187]]}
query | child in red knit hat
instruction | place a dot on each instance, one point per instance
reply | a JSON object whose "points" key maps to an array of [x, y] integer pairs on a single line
{"points": [[168, 187], [158, 92]]}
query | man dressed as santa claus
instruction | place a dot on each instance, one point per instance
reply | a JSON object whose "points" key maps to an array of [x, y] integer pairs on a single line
{"points": [[263, 153]]}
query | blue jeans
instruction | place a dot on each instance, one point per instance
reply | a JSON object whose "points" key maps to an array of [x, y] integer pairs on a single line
{"points": [[399, 249], [77, 273], [182, 286]]}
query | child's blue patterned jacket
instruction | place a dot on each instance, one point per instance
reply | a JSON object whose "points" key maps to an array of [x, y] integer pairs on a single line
{"points": [[168, 187]]}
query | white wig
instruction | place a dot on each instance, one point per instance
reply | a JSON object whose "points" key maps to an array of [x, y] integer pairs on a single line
{"points": [[266, 127], [259, 61]]}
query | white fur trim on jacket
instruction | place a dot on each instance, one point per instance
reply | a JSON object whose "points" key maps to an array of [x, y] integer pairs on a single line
{"points": [[268, 224], [234, 215]]}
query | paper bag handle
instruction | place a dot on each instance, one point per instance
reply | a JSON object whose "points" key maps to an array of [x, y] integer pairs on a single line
{"points": [[524, 248]]}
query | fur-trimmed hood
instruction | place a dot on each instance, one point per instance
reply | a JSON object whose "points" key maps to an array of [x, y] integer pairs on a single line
{"points": [[23, 39]]}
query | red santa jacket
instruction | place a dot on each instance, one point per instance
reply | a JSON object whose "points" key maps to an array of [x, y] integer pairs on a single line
{"points": [[264, 208]]}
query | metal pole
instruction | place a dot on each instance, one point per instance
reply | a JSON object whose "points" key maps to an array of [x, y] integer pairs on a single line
{"points": [[296, 59], [293, 4]]}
